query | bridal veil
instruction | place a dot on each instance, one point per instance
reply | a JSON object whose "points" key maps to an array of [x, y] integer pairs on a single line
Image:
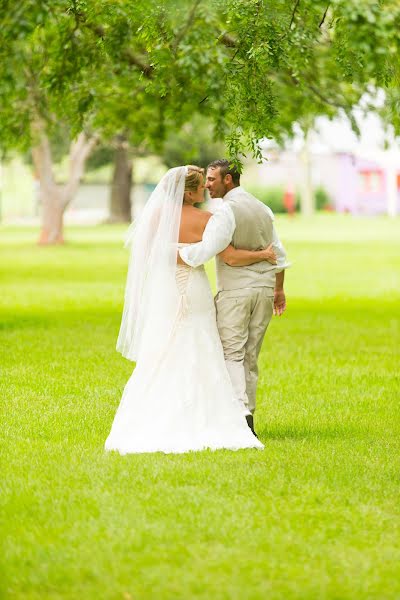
{"points": [[151, 295]]}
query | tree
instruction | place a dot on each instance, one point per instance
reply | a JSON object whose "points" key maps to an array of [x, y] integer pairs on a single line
{"points": [[59, 67], [118, 155], [30, 114], [254, 67], [120, 197], [55, 197]]}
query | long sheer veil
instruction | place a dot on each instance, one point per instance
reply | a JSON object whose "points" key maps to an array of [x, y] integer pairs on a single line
{"points": [[151, 294]]}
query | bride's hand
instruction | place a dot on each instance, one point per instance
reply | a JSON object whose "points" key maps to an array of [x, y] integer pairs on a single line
{"points": [[270, 255]]}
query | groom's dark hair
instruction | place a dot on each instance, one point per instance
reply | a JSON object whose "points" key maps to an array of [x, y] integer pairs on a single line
{"points": [[225, 169]]}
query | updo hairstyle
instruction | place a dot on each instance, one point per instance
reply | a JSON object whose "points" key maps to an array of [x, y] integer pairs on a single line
{"points": [[194, 177]]}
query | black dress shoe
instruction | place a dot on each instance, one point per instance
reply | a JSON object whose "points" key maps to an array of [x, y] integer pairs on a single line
{"points": [[250, 423]]}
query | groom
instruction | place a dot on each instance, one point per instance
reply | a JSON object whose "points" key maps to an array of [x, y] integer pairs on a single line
{"points": [[247, 296]]}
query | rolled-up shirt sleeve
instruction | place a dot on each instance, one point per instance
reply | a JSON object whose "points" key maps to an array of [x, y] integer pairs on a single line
{"points": [[216, 237], [281, 258]]}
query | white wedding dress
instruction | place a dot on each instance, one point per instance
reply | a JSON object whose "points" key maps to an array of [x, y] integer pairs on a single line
{"points": [[184, 401]]}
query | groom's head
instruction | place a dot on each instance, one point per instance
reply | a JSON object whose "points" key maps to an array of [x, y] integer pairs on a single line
{"points": [[221, 178]]}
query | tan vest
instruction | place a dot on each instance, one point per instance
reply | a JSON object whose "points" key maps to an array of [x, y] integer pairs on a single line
{"points": [[253, 232]]}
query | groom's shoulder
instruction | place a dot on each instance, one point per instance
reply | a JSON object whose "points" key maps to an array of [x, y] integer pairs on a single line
{"points": [[244, 194], [262, 207]]}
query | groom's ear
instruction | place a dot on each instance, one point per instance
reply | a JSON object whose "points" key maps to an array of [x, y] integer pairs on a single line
{"points": [[228, 178]]}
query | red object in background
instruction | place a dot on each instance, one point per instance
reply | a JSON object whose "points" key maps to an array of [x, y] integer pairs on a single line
{"points": [[371, 180], [289, 199]]}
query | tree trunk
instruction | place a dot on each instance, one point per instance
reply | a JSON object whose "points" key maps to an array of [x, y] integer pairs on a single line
{"points": [[120, 196], [52, 216], [55, 198], [307, 201]]}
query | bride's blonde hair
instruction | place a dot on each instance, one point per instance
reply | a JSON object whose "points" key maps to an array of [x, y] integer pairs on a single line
{"points": [[194, 177]]}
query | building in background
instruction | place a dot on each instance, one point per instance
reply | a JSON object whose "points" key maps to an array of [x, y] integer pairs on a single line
{"points": [[361, 174], [354, 184]]}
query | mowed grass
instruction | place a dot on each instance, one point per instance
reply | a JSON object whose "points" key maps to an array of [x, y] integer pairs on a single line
{"points": [[314, 515]]}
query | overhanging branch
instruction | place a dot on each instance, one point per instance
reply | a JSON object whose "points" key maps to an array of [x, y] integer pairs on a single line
{"points": [[181, 34], [227, 40], [136, 61], [324, 15], [293, 13]]}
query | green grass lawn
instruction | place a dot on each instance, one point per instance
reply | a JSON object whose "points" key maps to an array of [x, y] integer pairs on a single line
{"points": [[314, 515]]}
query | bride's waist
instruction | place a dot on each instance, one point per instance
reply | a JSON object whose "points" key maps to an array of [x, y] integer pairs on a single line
{"points": [[187, 268], [185, 275]]}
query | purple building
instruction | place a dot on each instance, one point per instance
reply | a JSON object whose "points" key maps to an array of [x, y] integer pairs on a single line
{"points": [[355, 185], [362, 186]]}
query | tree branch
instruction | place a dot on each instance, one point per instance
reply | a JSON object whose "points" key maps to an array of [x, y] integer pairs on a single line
{"points": [[132, 58], [136, 61], [79, 152], [97, 29], [187, 26], [318, 93], [293, 13], [326, 100], [325, 13], [227, 40]]}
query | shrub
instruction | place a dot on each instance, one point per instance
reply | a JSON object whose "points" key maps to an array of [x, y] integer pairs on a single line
{"points": [[271, 196], [322, 199]]}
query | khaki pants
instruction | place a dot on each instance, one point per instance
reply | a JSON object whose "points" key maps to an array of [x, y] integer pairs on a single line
{"points": [[243, 316]]}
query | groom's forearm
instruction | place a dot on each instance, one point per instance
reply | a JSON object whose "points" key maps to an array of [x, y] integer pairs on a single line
{"points": [[239, 257], [279, 279]]}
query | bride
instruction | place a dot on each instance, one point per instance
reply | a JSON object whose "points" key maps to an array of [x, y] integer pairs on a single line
{"points": [[179, 397]]}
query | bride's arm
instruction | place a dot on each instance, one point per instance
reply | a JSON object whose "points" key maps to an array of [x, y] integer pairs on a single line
{"points": [[238, 257]]}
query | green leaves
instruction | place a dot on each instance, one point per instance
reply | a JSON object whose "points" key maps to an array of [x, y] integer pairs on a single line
{"points": [[254, 67]]}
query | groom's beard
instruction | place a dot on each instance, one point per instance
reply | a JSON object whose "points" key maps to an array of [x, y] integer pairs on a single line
{"points": [[218, 193]]}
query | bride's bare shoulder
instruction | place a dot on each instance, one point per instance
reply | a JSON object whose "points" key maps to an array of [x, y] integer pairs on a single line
{"points": [[195, 215], [193, 223], [204, 215]]}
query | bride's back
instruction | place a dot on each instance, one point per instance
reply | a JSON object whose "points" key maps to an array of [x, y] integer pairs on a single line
{"points": [[193, 223]]}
